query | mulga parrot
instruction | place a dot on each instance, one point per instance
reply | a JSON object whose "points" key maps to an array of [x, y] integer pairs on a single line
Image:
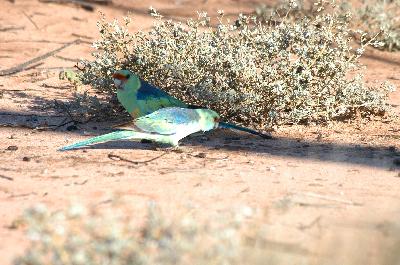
{"points": [[166, 126], [140, 98]]}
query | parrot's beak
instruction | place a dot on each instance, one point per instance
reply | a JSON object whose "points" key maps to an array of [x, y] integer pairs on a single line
{"points": [[118, 83]]}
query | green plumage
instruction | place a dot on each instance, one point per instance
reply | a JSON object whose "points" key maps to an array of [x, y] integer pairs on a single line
{"points": [[140, 98], [167, 126]]}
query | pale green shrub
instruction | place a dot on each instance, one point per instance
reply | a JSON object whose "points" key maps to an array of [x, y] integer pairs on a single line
{"points": [[383, 16], [377, 19], [250, 72]]}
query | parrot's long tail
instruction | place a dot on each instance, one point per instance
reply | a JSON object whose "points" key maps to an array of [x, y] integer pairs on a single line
{"points": [[124, 134], [243, 129]]}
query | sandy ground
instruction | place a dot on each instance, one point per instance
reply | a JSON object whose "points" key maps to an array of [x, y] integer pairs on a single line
{"points": [[318, 184]]}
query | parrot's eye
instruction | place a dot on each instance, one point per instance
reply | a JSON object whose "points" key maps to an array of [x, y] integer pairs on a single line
{"points": [[128, 76]]}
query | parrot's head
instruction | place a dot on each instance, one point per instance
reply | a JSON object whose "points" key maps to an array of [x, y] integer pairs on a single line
{"points": [[125, 80], [209, 119]]}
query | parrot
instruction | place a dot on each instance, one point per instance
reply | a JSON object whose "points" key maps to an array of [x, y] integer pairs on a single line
{"points": [[165, 126], [140, 98]]}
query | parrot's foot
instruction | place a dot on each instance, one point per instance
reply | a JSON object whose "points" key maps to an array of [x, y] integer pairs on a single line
{"points": [[163, 146], [175, 149]]}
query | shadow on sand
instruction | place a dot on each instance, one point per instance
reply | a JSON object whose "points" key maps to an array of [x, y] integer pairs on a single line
{"points": [[222, 139], [381, 157]]}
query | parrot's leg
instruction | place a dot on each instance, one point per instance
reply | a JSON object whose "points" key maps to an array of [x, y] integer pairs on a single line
{"points": [[175, 149]]}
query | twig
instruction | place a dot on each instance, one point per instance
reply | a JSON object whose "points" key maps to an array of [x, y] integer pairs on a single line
{"points": [[203, 155], [40, 41], [22, 195], [80, 3], [81, 36], [104, 202], [27, 64], [27, 115], [54, 127], [119, 158], [7, 178], [11, 28], [59, 68], [30, 19], [11, 125], [43, 41], [329, 198], [387, 135], [100, 2], [310, 225], [33, 66], [168, 170], [81, 183], [57, 87], [61, 124], [66, 59]]}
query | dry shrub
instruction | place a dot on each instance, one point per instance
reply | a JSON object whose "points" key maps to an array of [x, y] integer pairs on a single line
{"points": [[260, 74], [98, 235]]}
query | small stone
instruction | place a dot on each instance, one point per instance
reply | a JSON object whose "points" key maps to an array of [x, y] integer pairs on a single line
{"points": [[12, 148], [26, 159], [247, 211]]}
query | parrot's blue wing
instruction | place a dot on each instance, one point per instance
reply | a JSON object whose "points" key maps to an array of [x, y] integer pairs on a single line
{"points": [[155, 98], [147, 91]]}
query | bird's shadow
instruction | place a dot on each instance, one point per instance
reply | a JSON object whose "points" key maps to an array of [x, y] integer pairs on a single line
{"points": [[227, 140], [125, 144]]}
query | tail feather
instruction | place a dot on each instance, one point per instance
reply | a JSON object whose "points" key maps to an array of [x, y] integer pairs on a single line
{"points": [[102, 138], [243, 129]]}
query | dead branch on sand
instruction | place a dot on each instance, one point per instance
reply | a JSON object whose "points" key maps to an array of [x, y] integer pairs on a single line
{"points": [[85, 4], [26, 65]]}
